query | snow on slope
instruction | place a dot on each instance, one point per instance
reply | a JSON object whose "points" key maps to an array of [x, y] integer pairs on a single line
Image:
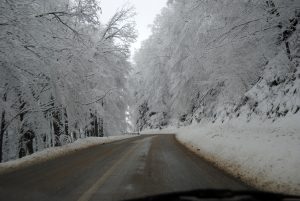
{"points": [[54, 152], [265, 154]]}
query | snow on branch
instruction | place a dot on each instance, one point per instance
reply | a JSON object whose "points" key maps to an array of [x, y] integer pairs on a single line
{"points": [[99, 98], [120, 26], [57, 16]]}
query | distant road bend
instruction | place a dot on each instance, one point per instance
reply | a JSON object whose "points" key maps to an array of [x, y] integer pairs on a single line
{"points": [[136, 167]]}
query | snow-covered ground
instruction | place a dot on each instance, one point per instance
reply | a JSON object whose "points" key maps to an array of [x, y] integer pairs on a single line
{"points": [[55, 152], [264, 154]]}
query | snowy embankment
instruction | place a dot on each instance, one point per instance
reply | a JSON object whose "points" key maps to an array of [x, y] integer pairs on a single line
{"points": [[54, 152], [264, 154]]}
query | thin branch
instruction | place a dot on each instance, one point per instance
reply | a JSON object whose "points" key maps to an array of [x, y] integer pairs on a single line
{"points": [[100, 98], [28, 48], [53, 13], [57, 16], [60, 20], [231, 29]]}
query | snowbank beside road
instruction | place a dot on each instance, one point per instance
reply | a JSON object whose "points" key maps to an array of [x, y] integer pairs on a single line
{"points": [[55, 152], [263, 154]]}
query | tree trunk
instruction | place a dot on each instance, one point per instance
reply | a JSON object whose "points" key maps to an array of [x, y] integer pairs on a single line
{"points": [[66, 122], [2, 127], [2, 133], [288, 51], [56, 127], [101, 130], [96, 127]]}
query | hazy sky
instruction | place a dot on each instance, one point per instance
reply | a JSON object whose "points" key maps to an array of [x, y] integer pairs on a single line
{"points": [[146, 12]]}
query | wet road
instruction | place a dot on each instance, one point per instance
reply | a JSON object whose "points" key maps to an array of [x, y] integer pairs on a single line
{"points": [[131, 168]]}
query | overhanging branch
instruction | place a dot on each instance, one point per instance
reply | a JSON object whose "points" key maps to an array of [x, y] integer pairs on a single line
{"points": [[100, 98]]}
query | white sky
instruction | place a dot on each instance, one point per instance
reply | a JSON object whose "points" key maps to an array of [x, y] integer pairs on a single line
{"points": [[146, 12]]}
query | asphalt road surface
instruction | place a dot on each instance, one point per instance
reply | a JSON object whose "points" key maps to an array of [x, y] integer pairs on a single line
{"points": [[136, 167]]}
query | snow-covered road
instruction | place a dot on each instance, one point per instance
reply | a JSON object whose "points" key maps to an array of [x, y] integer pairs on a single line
{"points": [[135, 167]]}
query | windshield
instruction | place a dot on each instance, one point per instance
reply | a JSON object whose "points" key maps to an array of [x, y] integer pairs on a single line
{"points": [[128, 99]]}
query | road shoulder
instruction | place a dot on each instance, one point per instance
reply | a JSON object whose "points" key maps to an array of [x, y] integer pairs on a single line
{"points": [[55, 152]]}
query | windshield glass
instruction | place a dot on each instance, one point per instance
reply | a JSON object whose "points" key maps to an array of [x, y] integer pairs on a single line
{"points": [[126, 99]]}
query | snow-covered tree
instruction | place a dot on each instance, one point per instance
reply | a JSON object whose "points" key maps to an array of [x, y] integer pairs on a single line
{"points": [[203, 56], [61, 77]]}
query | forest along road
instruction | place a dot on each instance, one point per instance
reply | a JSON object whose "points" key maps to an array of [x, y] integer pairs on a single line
{"points": [[136, 167]]}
